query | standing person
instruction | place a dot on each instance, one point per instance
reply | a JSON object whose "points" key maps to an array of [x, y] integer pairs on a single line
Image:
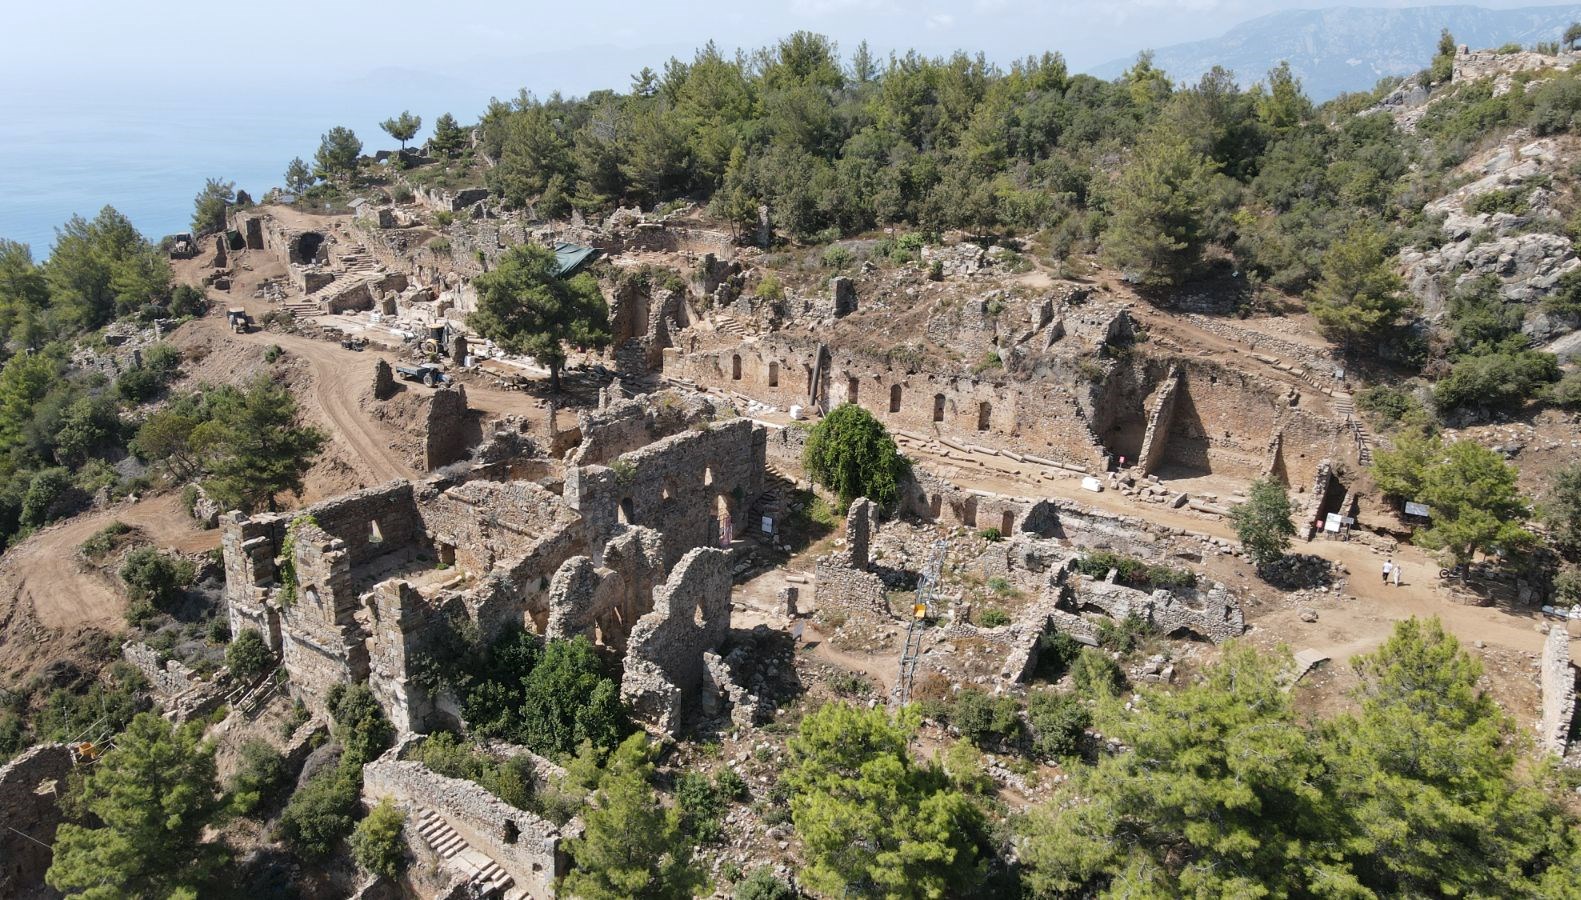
{"points": [[1388, 566], [1397, 570]]}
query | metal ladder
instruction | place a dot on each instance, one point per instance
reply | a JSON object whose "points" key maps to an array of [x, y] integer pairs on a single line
{"points": [[927, 584]]}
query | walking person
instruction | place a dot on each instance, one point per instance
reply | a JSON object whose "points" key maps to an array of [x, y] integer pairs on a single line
{"points": [[1388, 566], [1397, 570]]}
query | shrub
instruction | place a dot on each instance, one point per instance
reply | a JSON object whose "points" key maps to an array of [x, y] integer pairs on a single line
{"points": [[187, 300], [139, 384], [322, 812], [102, 542], [1058, 722], [991, 535], [850, 684], [262, 773], [1122, 636], [248, 656], [48, 497], [702, 808], [1510, 200], [985, 720], [1095, 674], [376, 844], [1387, 404], [360, 725], [155, 579], [1568, 391], [1056, 651], [1495, 381], [993, 618], [274, 353], [769, 288], [762, 884], [936, 270], [837, 258], [852, 454]]}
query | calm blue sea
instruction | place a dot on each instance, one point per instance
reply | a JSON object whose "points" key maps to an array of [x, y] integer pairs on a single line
{"points": [[148, 156]]}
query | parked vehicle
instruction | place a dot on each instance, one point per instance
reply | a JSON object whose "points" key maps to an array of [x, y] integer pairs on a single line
{"points": [[239, 321], [427, 373]]}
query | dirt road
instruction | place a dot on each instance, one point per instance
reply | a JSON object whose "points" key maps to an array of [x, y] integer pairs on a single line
{"points": [[46, 573]]}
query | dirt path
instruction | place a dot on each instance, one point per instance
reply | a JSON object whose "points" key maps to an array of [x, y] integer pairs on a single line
{"points": [[45, 571]]}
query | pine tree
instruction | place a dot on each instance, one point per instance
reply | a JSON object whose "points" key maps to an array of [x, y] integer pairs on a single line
{"points": [[1157, 209], [376, 842], [208, 207], [154, 794], [1360, 295], [1476, 504], [298, 177], [526, 307], [254, 446], [403, 127], [449, 138], [631, 846], [1426, 779], [851, 453], [337, 154], [1217, 796], [872, 822], [1263, 522]]}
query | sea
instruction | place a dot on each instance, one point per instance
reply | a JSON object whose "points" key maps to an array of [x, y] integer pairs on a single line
{"points": [[149, 156], [147, 147]]}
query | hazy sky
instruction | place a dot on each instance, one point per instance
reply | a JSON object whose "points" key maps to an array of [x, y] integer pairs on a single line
{"points": [[482, 47]]}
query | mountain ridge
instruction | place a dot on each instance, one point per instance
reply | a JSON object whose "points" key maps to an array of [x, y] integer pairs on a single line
{"points": [[1343, 49]]}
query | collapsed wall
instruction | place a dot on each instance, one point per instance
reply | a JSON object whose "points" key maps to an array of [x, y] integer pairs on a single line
{"points": [[695, 487], [1559, 692], [30, 790], [665, 658]]}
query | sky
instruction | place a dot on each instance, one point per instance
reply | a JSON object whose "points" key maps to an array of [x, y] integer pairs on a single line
{"points": [[133, 104], [68, 49]]}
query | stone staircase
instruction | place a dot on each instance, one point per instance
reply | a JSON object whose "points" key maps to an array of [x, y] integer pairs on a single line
{"points": [[352, 267], [485, 874], [1363, 438], [729, 325]]}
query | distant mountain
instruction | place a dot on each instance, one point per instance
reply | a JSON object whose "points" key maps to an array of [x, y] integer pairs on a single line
{"points": [[1350, 48]]}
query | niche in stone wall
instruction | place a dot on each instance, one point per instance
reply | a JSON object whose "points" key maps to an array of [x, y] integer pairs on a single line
{"points": [[985, 413], [894, 398], [735, 367], [774, 374], [853, 388]]}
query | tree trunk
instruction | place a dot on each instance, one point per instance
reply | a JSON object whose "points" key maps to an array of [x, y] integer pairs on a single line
{"points": [[554, 378]]}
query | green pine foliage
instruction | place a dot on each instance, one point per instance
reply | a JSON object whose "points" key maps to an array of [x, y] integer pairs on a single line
{"points": [[151, 797], [1224, 791], [1263, 522], [631, 846], [526, 307], [872, 821], [376, 843], [1359, 295], [403, 127]]}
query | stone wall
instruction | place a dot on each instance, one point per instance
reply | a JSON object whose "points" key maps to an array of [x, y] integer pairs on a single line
{"points": [[1559, 692], [627, 425], [524, 845], [1042, 416], [30, 788], [167, 677], [664, 661], [603, 602], [934, 499], [693, 487], [1213, 615], [445, 430]]}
